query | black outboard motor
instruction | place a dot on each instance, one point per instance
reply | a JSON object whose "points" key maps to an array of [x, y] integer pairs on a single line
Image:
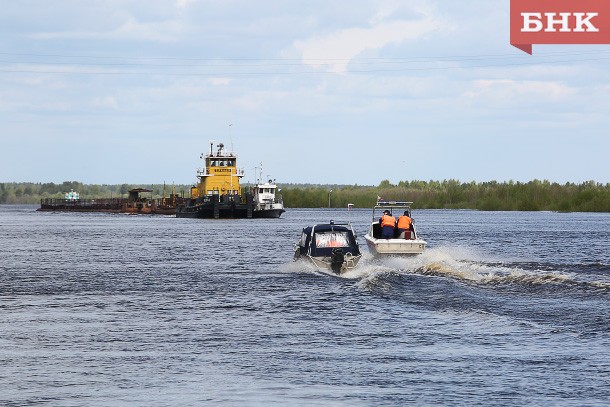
{"points": [[336, 260]]}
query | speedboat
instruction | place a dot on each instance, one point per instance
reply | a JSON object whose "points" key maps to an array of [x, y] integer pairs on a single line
{"points": [[330, 246], [405, 242]]}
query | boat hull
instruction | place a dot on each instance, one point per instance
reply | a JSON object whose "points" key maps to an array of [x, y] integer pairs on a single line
{"points": [[325, 263], [403, 247], [267, 213], [112, 205], [211, 212]]}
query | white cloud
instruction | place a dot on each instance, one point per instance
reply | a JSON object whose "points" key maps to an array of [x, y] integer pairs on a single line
{"points": [[499, 90], [220, 81], [336, 49], [168, 31], [184, 3], [107, 102], [165, 31]]}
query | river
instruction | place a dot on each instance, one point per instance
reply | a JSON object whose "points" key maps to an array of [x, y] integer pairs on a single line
{"points": [[503, 308]]}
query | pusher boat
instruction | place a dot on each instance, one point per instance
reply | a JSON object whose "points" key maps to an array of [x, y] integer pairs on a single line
{"points": [[330, 246], [267, 203], [403, 239]]}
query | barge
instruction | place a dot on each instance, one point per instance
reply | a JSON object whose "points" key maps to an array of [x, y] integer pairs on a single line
{"points": [[134, 204]]}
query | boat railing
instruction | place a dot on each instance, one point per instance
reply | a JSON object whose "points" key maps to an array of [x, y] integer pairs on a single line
{"points": [[385, 204]]}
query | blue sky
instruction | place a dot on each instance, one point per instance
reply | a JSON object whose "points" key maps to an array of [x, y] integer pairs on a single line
{"points": [[337, 92]]}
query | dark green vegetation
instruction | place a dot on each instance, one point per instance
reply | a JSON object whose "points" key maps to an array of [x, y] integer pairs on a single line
{"points": [[449, 194]]}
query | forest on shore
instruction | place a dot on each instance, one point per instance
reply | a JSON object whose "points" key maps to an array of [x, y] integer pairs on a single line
{"points": [[534, 195]]}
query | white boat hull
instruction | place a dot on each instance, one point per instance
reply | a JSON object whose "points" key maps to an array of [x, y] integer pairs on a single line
{"points": [[394, 246]]}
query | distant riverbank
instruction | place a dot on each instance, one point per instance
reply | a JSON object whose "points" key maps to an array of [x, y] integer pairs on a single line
{"points": [[534, 195]]}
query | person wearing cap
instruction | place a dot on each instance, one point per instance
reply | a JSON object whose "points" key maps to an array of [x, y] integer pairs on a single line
{"points": [[387, 222], [404, 226]]}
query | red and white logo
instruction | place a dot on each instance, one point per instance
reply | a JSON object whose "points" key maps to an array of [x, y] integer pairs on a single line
{"points": [[559, 22]]}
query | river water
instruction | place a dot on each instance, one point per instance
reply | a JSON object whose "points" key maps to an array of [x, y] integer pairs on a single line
{"points": [[503, 308]]}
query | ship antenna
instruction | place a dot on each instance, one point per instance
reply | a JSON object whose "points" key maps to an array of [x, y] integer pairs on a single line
{"points": [[261, 174], [211, 147], [231, 137]]}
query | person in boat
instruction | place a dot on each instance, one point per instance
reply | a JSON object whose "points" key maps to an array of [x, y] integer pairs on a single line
{"points": [[404, 226], [387, 222]]}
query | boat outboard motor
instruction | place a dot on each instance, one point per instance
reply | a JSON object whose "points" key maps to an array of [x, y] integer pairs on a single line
{"points": [[337, 258]]}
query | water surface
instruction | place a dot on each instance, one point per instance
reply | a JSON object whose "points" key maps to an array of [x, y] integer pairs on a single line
{"points": [[504, 308]]}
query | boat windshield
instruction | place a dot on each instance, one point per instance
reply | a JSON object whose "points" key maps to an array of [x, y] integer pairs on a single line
{"points": [[332, 239]]}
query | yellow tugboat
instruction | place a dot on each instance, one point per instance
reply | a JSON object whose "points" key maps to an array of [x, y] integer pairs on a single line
{"points": [[217, 193]]}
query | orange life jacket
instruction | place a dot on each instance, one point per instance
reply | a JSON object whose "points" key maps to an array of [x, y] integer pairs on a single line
{"points": [[404, 222], [388, 220]]}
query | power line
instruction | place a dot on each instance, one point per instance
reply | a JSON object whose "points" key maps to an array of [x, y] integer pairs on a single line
{"points": [[215, 67], [453, 57]]}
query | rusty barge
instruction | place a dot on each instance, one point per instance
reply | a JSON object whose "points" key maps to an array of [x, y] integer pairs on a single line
{"points": [[135, 203]]}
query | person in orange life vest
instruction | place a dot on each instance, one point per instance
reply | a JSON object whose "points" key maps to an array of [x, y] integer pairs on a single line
{"points": [[387, 223], [404, 226]]}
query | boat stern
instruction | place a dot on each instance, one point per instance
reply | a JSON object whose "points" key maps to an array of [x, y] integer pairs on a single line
{"points": [[395, 246]]}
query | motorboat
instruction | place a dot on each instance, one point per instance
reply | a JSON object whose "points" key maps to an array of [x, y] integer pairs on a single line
{"points": [[402, 242], [329, 246]]}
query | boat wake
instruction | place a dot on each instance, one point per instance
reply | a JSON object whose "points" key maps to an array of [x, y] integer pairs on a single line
{"points": [[470, 267], [464, 265]]}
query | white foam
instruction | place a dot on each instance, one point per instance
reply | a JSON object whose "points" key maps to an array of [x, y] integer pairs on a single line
{"points": [[458, 263], [469, 265]]}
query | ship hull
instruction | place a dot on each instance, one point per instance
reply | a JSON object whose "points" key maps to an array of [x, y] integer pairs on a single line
{"points": [[214, 207], [268, 213], [112, 205]]}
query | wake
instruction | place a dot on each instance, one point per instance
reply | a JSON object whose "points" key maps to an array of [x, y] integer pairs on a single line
{"points": [[468, 266], [457, 263]]}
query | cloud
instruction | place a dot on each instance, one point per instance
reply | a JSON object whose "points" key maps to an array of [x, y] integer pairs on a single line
{"points": [[336, 49], [168, 31], [107, 102], [184, 3], [500, 90], [220, 81], [165, 31]]}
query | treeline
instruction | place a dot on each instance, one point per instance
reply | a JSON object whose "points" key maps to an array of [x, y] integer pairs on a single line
{"points": [[535, 195], [452, 194]]}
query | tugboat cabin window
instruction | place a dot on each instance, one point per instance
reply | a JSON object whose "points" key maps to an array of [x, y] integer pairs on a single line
{"points": [[222, 163], [332, 239]]}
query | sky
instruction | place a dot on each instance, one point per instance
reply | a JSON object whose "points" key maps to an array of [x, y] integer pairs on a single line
{"points": [[322, 92]]}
